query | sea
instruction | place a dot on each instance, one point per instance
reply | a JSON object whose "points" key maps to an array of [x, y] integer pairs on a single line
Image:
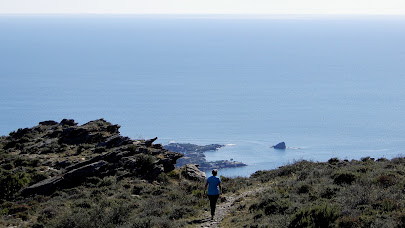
{"points": [[327, 86]]}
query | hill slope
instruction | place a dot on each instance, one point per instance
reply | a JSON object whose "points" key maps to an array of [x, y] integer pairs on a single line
{"points": [[65, 175]]}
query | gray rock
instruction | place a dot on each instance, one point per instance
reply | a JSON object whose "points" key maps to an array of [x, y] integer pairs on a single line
{"points": [[69, 179], [48, 123], [68, 122], [191, 172], [115, 141], [280, 146], [148, 143]]}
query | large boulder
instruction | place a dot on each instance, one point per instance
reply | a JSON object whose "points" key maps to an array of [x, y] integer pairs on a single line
{"points": [[192, 172]]}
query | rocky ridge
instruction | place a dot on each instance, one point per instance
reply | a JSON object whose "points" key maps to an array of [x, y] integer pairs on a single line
{"points": [[67, 154]]}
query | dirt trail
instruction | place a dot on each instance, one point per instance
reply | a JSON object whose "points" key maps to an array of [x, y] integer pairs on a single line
{"points": [[225, 208]]}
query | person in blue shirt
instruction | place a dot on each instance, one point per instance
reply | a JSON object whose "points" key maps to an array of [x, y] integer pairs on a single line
{"points": [[214, 190]]}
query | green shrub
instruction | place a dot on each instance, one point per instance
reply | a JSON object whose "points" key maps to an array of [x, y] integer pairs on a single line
{"points": [[271, 204], [198, 193], [349, 222], [4, 211], [234, 184], [264, 176], [319, 216], [142, 188], [399, 160], [37, 177], [162, 178], [179, 212], [17, 208], [107, 181], [387, 205], [400, 217], [145, 162], [82, 203], [343, 178], [385, 181], [329, 192], [333, 161], [47, 214], [154, 207], [11, 184], [103, 214], [174, 174], [7, 166], [303, 188], [22, 215]]}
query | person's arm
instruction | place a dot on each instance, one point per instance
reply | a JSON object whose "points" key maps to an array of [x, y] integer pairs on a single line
{"points": [[220, 188]]}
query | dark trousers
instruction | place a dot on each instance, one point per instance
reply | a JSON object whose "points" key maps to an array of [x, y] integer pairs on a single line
{"points": [[213, 202]]}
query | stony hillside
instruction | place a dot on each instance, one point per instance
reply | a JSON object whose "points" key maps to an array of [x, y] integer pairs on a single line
{"points": [[45, 167]]}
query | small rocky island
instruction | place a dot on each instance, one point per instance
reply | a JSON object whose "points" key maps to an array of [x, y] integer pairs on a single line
{"points": [[280, 146], [194, 154]]}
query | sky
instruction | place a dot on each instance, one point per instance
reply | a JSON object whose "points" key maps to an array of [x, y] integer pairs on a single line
{"points": [[390, 7]]}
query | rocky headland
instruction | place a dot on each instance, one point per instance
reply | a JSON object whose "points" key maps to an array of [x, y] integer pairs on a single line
{"points": [[65, 154], [194, 154]]}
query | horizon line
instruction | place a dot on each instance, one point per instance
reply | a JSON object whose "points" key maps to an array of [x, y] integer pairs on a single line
{"points": [[221, 15]]}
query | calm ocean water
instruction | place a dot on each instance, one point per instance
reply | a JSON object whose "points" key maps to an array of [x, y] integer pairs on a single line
{"points": [[333, 87]]}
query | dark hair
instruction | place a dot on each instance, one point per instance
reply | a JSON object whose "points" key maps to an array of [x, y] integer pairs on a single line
{"points": [[214, 172]]}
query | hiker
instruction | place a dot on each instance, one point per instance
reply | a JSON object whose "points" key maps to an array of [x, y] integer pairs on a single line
{"points": [[214, 190]]}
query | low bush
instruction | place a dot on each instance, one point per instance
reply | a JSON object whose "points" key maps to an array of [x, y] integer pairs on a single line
{"points": [[318, 216], [333, 161], [385, 181], [329, 192], [303, 188], [349, 222], [162, 178], [11, 184], [234, 184], [343, 178], [145, 161], [271, 204]]}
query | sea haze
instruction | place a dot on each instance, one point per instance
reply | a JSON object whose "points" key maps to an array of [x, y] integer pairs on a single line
{"points": [[332, 87]]}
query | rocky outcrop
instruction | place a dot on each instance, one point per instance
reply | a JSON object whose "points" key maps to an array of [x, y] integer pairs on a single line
{"points": [[67, 180], [191, 172], [280, 146], [96, 149], [188, 147], [194, 154]]}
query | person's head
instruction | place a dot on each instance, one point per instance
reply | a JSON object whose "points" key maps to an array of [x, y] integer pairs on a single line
{"points": [[214, 172]]}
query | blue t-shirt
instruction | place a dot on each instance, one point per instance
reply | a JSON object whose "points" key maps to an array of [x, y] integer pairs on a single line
{"points": [[213, 183]]}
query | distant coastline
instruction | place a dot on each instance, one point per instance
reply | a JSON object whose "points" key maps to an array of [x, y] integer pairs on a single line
{"points": [[194, 154]]}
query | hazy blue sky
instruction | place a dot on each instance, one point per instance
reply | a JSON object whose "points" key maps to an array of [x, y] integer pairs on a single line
{"points": [[204, 6]]}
